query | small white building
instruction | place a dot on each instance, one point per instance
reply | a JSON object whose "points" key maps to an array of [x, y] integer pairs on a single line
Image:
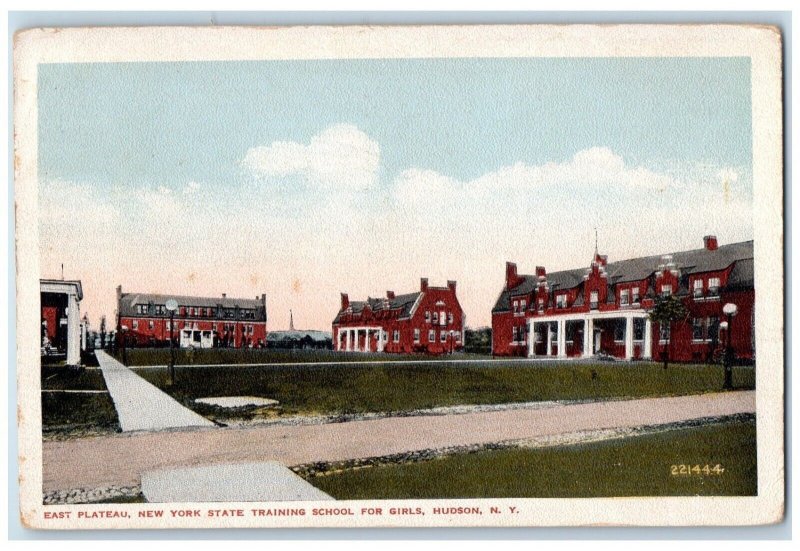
{"points": [[61, 318]]}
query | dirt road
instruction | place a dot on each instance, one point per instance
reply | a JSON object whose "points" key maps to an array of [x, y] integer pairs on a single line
{"points": [[120, 459]]}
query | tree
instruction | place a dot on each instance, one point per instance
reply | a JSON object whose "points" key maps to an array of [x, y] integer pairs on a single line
{"points": [[666, 311]]}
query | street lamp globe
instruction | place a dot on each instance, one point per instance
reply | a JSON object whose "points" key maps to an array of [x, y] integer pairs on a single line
{"points": [[729, 309], [723, 325]]}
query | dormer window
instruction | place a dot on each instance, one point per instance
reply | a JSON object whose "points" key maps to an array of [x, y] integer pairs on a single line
{"points": [[666, 290], [141, 308], [713, 286], [594, 299], [522, 305], [561, 301], [516, 307], [697, 288], [623, 297], [541, 305], [635, 295]]}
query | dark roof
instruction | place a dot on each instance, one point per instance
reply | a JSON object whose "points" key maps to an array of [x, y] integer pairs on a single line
{"points": [[637, 269], [128, 301], [318, 336], [402, 302]]}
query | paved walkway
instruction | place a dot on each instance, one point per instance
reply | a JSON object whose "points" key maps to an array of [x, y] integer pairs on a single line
{"points": [[121, 459], [265, 481], [142, 406]]}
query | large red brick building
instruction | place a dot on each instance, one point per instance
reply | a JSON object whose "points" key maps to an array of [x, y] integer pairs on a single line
{"points": [[429, 321], [200, 322], [604, 309]]}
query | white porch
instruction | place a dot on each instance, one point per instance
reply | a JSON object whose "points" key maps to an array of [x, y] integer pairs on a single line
{"points": [[348, 339], [556, 333]]}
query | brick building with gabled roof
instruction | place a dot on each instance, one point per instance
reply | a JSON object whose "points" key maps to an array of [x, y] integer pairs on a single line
{"points": [[430, 320], [200, 322], [604, 309]]}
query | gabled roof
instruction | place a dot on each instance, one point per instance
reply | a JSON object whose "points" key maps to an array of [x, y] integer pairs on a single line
{"points": [[637, 269], [403, 302]]}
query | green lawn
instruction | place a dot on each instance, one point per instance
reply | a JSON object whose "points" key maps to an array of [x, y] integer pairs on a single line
{"points": [[637, 466], [343, 389], [160, 356], [75, 411]]}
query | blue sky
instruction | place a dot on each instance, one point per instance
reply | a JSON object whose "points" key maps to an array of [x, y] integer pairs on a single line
{"points": [[304, 178]]}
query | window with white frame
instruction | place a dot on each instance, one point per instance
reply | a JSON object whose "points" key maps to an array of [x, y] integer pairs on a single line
{"points": [[623, 297], [435, 318], [443, 336], [160, 310], [541, 305], [697, 288], [416, 335], [638, 329], [561, 300], [135, 325], [396, 335], [522, 305], [514, 334], [635, 295], [698, 329], [431, 335], [450, 317], [663, 333], [443, 317], [427, 317], [151, 324], [713, 286], [516, 307], [594, 299], [666, 289], [141, 308]]}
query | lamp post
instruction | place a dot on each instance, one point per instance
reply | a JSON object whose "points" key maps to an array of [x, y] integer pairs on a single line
{"points": [[124, 331], [171, 306], [729, 310]]}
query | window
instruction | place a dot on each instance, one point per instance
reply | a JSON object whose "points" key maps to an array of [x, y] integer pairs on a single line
{"points": [[160, 310], [151, 325], [561, 301], [450, 317], [443, 336], [697, 288], [638, 329], [396, 335], [541, 305], [593, 300], [516, 307], [443, 318], [431, 335], [713, 286], [515, 334], [522, 305], [698, 329], [713, 329], [623, 297], [635, 295], [619, 330], [135, 325], [416, 335], [427, 317], [141, 308], [435, 318], [663, 333], [666, 289]]}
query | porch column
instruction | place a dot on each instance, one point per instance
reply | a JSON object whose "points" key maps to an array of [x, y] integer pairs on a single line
{"points": [[348, 344], [367, 343], [356, 337], [73, 331], [380, 339], [562, 338], [531, 338], [588, 330], [549, 338], [628, 337], [648, 339]]}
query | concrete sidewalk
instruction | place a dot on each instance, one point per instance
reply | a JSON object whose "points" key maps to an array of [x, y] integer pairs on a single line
{"points": [[142, 406], [122, 459]]}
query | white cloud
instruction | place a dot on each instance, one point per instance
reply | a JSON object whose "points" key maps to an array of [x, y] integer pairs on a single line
{"points": [[597, 167], [339, 157]]}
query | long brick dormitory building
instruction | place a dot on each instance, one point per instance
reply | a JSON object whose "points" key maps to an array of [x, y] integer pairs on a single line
{"points": [[603, 309], [200, 322], [430, 320]]}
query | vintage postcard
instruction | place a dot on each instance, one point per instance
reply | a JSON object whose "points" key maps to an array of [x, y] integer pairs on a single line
{"points": [[399, 276]]}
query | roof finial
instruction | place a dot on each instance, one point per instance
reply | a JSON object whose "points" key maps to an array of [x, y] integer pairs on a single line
{"points": [[291, 321]]}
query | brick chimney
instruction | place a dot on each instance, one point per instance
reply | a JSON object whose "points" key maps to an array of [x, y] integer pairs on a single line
{"points": [[345, 301], [224, 295], [512, 279], [540, 271], [451, 285], [423, 284], [390, 295], [710, 242]]}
